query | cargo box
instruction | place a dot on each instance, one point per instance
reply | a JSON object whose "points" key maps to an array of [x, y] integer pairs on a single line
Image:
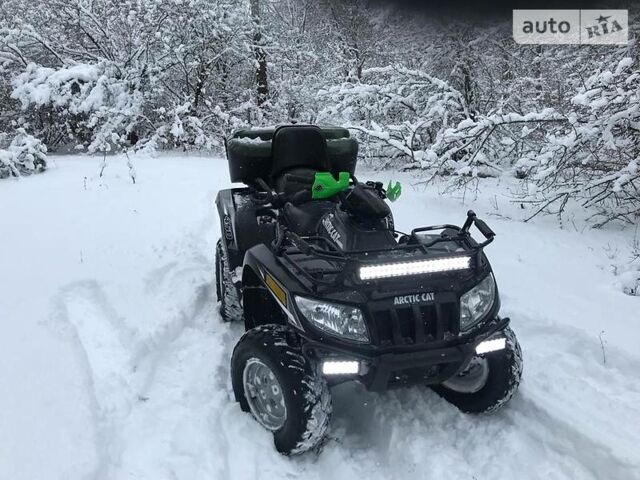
{"points": [[249, 152]]}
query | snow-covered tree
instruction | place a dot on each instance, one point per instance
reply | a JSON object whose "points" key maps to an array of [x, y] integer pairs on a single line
{"points": [[23, 155], [106, 73], [455, 97]]}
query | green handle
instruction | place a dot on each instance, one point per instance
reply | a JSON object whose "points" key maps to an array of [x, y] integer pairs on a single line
{"points": [[325, 186], [393, 191]]}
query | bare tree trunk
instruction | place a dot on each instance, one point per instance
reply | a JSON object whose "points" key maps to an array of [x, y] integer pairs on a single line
{"points": [[468, 89], [260, 54]]}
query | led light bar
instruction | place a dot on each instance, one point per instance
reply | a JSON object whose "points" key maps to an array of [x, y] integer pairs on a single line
{"points": [[492, 345], [385, 270], [340, 367]]}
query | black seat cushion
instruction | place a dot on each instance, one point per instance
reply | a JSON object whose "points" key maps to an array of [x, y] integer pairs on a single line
{"points": [[294, 180], [295, 146], [304, 219]]}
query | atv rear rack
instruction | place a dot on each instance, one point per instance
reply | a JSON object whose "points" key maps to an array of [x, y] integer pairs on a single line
{"points": [[320, 265]]}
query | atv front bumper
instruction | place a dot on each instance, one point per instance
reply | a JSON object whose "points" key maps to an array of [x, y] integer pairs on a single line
{"points": [[383, 370]]}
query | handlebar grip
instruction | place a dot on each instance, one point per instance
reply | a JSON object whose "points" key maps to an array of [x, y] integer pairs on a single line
{"points": [[484, 228], [299, 178], [299, 242]]}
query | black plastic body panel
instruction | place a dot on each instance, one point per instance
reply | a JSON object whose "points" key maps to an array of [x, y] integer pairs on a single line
{"points": [[426, 348], [339, 228], [243, 224]]}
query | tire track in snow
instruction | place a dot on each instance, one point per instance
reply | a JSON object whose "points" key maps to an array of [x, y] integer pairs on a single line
{"points": [[148, 349], [595, 404], [104, 342], [567, 439], [222, 385], [120, 363]]}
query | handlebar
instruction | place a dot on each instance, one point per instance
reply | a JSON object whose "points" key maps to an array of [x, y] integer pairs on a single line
{"points": [[299, 179], [265, 195], [277, 200], [484, 229]]}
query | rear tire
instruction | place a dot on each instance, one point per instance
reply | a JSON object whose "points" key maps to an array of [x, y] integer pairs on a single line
{"points": [[226, 291], [500, 383], [304, 392]]}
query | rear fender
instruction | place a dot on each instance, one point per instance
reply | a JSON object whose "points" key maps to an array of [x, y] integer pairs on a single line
{"points": [[243, 224], [227, 212]]}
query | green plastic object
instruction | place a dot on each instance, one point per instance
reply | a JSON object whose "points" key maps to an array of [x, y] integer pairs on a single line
{"points": [[393, 191], [326, 186]]}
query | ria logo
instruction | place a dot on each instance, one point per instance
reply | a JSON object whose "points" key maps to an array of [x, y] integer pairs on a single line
{"points": [[331, 230], [605, 26], [414, 298]]}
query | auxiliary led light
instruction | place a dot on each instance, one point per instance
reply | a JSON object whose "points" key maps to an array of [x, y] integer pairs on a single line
{"points": [[385, 270], [340, 367], [492, 345]]}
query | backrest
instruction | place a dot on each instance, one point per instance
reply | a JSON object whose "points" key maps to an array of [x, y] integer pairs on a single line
{"points": [[296, 146]]}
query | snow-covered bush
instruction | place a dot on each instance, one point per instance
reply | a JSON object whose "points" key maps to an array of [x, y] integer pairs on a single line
{"points": [[24, 155], [423, 120], [626, 267], [594, 156], [400, 110]]}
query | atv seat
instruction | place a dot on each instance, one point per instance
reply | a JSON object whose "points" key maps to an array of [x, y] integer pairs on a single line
{"points": [[300, 151], [295, 180]]}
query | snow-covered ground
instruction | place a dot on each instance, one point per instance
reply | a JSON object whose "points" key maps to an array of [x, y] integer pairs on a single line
{"points": [[114, 363]]}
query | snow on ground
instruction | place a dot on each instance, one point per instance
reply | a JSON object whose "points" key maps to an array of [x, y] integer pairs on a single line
{"points": [[114, 363]]}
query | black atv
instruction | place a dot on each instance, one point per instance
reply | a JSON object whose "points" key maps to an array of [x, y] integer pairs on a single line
{"points": [[329, 291]]}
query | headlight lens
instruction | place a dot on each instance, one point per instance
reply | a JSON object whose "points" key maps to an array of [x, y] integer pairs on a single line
{"points": [[342, 320], [477, 302]]}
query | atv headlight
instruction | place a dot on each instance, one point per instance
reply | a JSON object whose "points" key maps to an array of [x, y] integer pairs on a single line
{"points": [[341, 320], [435, 265], [477, 302]]}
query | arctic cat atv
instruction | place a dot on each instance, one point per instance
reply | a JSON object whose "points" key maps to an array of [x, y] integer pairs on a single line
{"points": [[330, 292]]}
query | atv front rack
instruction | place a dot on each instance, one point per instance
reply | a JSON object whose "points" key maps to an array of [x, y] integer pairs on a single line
{"points": [[316, 261]]}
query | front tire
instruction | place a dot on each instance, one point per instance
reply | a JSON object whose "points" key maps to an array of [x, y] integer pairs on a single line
{"points": [[489, 381], [281, 388]]}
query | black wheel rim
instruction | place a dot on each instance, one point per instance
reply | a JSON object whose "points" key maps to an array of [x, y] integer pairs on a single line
{"points": [[472, 379], [264, 394]]}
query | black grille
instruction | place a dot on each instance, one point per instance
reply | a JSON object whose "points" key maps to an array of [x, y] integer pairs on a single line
{"points": [[416, 324]]}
